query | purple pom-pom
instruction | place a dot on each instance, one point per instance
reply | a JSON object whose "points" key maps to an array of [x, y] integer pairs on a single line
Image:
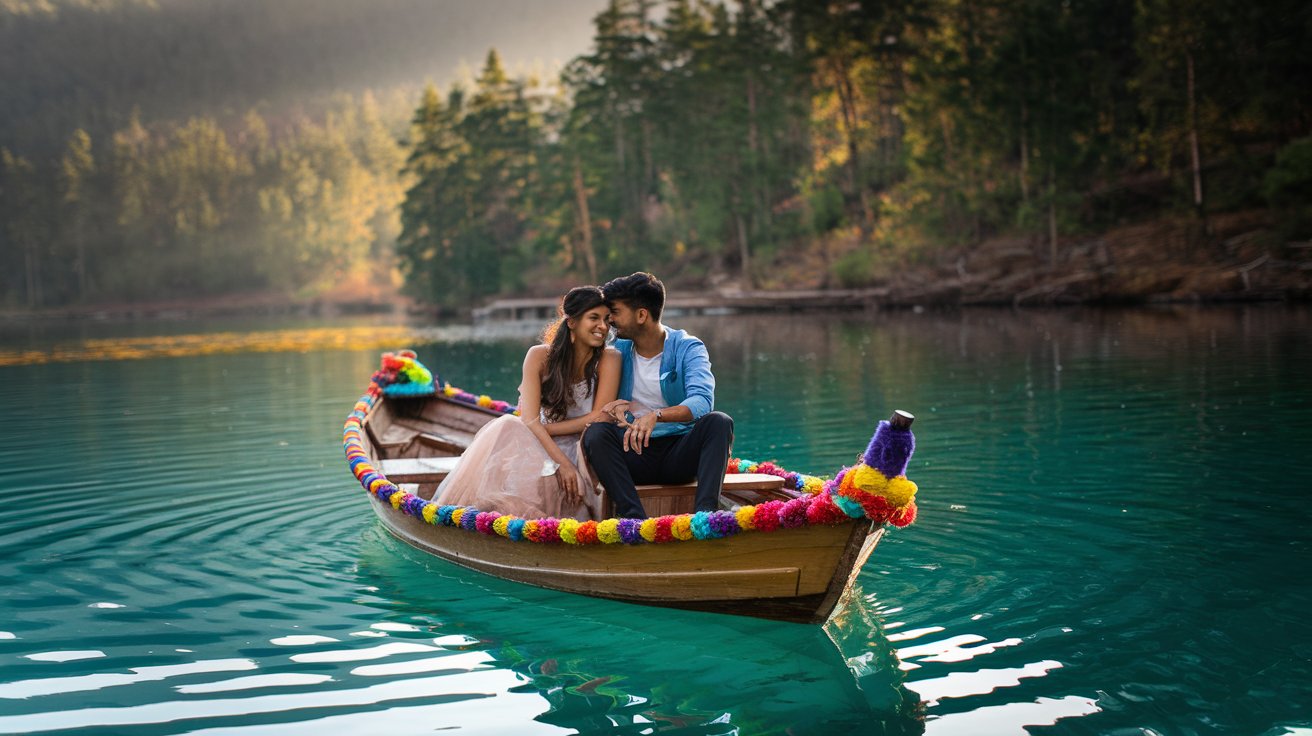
{"points": [[890, 450], [724, 523], [629, 530], [470, 518]]}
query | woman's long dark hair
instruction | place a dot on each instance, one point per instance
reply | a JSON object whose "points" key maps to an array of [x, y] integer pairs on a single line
{"points": [[558, 383]]}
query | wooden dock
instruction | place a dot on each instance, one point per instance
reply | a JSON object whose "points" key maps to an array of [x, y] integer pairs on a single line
{"points": [[544, 308]]}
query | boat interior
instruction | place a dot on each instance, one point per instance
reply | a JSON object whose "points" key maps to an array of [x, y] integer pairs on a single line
{"points": [[416, 442]]}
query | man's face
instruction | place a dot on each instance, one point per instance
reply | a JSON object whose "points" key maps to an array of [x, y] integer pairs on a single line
{"points": [[624, 319]]}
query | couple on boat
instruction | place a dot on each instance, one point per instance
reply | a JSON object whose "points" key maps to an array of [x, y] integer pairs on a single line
{"points": [[640, 412]]}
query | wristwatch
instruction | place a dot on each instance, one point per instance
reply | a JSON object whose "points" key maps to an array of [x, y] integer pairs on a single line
{"points": [[658, 415]]}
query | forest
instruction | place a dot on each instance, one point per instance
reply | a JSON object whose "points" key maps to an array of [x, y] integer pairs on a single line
{"points": [[777, 144]]}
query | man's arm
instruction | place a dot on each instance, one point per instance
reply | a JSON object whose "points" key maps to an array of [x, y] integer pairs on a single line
{"points": [[698, 385]]}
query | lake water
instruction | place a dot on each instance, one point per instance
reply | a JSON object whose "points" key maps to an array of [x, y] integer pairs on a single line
{"points": [[1114, 538]]}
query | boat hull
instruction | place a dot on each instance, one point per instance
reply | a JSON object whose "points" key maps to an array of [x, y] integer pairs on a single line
{"points": [[789, 575]]}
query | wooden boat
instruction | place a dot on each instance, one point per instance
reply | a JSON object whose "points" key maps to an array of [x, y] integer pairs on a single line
{"points": [[402, 447]]}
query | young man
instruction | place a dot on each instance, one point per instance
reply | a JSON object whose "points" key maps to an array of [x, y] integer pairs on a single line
{"points": [[666, 431]]}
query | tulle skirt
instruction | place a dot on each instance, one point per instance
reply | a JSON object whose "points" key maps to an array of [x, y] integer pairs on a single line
{"points": [[502, 471]]}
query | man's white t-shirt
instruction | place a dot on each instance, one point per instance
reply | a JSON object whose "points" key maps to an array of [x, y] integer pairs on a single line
{"points": [[647, 383]]}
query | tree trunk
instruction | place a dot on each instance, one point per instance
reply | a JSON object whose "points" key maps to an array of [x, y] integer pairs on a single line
{"points": [[1024, 152], [80, 262], [585, 222], [1195, 159], [760, 210], [847, 102], [1024, 127], [744, 254], [1052, 220], [32, 273]]}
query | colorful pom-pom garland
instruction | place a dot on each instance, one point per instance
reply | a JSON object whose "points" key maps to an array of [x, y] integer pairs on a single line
{"points": [[875, 488], [401, 374]]}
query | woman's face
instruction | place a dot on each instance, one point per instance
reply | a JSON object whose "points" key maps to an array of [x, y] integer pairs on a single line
{"points": [[590, 328]]}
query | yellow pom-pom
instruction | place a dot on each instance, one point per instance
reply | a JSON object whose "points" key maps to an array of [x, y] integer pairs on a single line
{"points": [[448, 390], [568, 530], [648, 529], [744, 516], [373, 487], [430, 512], [812, 485], [485, 401], [501, 525], [397, 498], [867, 479], [900, 491], [682, 527], [457, 515], [608, 531]]}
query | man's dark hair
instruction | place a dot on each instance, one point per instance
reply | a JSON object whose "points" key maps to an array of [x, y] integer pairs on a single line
{"points": [[640, 291]]}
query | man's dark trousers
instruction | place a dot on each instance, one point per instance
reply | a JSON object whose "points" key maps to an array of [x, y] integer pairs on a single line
{"points": [[701, 453]]}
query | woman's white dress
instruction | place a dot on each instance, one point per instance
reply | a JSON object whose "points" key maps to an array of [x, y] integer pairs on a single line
{"points": [[502, 470]]}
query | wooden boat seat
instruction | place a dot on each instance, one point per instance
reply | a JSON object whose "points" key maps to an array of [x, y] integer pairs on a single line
{"points": [[402, 439], [661, 500], [418, 469]]}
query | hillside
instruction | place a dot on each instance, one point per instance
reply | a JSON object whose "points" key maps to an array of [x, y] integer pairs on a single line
{"points": [[88, 63]]}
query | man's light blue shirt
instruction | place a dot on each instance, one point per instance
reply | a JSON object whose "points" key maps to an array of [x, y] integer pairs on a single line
{"points": [[685, 378]]}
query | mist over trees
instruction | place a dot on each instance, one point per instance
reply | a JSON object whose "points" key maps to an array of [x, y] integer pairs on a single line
{"points": [[753, 141], [714, 138]]}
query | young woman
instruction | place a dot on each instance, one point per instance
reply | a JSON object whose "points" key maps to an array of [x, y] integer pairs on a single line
{"points": [[530, 465]]}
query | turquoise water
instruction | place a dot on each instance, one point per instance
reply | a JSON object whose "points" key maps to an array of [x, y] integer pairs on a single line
{"points": [[1113, 540]]}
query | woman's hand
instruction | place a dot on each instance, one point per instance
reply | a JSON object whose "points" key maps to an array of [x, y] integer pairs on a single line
{"points": [[615, 410], [599, 416], [567, 477]]}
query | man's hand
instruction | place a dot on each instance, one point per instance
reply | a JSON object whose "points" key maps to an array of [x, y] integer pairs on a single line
{"points": [[638, 432]]}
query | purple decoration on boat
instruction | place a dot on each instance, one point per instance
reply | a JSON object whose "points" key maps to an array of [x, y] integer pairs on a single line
{"points": [[890, 450], [629, 530], [470, 519], [724, 523]]}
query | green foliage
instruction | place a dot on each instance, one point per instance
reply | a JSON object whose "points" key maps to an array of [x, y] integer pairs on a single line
{"points": [[196, 209], [1289, 182], [1288, 186], [856, 269], [701, 138]]}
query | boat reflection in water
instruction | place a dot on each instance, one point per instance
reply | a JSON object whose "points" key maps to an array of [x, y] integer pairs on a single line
{"points": [[600, 664]]}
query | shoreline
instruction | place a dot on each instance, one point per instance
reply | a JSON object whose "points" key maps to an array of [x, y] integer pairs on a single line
{"points": [[1163, 261], [742, 302]]}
